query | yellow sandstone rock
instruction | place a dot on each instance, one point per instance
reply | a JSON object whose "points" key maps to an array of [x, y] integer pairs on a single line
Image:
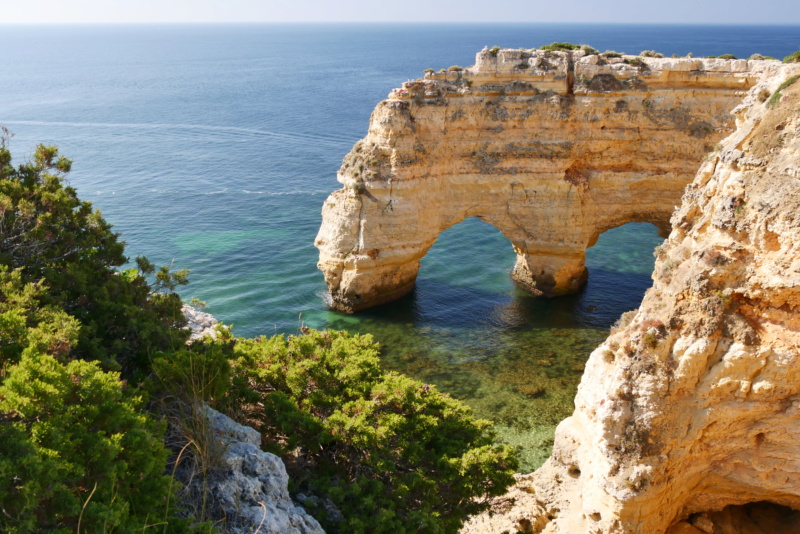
{"points": [[552, 148], [687, 418]]}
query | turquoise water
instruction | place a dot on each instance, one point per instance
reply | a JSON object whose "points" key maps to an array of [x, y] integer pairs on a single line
{"points": [[213, 148]]}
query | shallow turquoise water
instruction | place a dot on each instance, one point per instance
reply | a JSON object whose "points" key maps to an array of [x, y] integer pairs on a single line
{"points": [[213, 147]]}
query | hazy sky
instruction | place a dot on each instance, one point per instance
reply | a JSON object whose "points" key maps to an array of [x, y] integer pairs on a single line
{"points": [[688, 11]]}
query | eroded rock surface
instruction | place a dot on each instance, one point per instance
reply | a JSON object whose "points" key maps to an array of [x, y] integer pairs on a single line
{"points": [[200, 323], [552, 148], [248, 491], [690, 410]]}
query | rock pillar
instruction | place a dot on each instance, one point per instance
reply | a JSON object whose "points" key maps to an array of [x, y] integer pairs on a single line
{"points": [[551, 275]]}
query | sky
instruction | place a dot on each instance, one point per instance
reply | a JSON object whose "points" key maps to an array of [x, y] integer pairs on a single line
{"points": [[517, 11]]}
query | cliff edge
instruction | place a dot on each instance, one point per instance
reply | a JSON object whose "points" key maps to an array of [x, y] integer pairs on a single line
{"points": [[687, 418]]}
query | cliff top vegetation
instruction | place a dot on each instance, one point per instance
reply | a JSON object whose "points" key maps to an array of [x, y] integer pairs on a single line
{"points": [[99, 392]]}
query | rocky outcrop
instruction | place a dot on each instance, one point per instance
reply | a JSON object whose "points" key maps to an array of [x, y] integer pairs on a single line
{"points": [[687, 418], [248, 491], [552, 148], [200, 323]]}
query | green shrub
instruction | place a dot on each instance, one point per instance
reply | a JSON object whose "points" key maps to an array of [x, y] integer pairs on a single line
{"points": [[637, 62], [393, 454], [589, 50], [494, 50], [455, 68], [53, 237], [80, 454], [27, 326], [792, 58], [651, 53], [77, 449], [612, 53], [776, 96], [560, 46], [727, 56]]}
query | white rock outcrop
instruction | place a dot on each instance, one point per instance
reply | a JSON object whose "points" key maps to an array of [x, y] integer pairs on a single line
{"points": [[199, 322], [250, 489]]}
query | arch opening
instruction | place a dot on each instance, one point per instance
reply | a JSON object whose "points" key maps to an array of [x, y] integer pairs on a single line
{"points": [[621, 263], [466, 268]]}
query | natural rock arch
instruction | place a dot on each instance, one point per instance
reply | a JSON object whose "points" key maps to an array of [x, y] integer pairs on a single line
{"points": [[551, 148]]}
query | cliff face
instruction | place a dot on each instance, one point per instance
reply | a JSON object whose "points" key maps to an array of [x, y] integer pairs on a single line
{"points": [[552, 148], [693, 403]]}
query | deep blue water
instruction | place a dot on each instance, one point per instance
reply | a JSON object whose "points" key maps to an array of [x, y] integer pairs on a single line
{"points": [[213, 147]]}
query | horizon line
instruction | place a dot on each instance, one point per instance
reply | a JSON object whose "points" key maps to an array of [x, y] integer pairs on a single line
{"points": [[387, 22]]}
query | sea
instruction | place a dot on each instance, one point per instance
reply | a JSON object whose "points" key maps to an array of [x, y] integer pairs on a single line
{"points": [[213, 147]]}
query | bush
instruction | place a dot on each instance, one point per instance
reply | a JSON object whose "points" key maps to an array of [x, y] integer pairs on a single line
{"points": [[727, 56], [651, 53], [393, 454], [80, 454], [77, 450], [27, 325], [494, 50], [612, 53], [589, 50], [560, 46], [792, 58], [637, 62], [55, 238], [455, 68], [776, 96]]}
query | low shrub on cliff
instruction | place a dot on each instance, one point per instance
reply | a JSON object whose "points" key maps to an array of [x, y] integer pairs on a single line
{"points": [[393, 454], [560, 46], [79, 451], [54, 238], [776, 96], [792, 58]]}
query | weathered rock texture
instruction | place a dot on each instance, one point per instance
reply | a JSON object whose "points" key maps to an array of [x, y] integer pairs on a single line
{"points": [[200, 323], [552, 148], [248, 491], [692, 404]]}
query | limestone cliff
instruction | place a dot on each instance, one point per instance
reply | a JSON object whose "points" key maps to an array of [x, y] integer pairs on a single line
{"points": [[248, 491], [687, 418], [552, 148]]}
